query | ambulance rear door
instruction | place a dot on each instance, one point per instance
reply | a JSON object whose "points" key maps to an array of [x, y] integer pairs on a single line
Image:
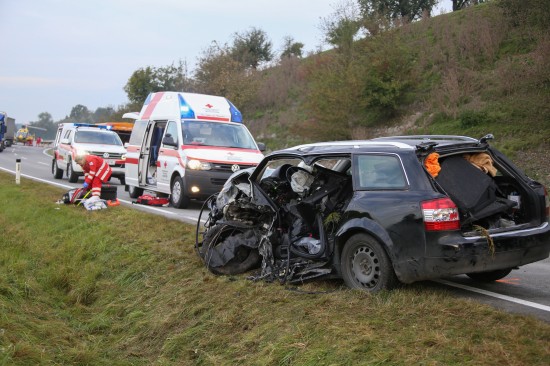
{"points": [[135, 148]]}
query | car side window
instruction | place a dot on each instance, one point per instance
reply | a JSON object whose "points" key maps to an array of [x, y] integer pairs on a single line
{"points": [[379, 172]]}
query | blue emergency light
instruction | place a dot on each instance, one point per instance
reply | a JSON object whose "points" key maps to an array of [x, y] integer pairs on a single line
{"points": [[91, 125], [236, 115], [185, 109]]}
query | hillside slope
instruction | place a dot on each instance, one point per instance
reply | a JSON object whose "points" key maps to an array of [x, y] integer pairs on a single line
{"points": [[482, 70]]}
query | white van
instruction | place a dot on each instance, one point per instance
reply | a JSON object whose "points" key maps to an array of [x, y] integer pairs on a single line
{"points": [[82, 138], [186, 145]]}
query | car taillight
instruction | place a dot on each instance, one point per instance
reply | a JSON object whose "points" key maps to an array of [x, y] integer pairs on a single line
{"points": [[440, 215]]}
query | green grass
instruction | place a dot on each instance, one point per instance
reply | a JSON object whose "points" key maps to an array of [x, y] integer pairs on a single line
{"points": [[122, 287]]}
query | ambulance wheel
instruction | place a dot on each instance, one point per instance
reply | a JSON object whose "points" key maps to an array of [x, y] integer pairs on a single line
{"points": [[57, 173], [122, 181], [73, 177], [134, 192], [178, 199]]}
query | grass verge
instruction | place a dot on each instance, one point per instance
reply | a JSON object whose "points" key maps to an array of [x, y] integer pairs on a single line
{"points": [[123, 287]]}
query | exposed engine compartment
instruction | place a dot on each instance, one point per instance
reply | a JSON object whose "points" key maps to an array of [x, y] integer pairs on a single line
{"points": [[292, 212]]}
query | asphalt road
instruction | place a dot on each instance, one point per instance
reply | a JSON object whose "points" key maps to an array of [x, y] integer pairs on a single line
{"points": [[36, 164], [525, 290]]}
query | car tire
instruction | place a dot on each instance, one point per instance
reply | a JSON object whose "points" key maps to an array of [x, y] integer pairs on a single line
{"points": [[71, 174], [244, 260], [490, 276], [122, 180], [366, 265], [134, 191], [57, 173], [178, 199]]}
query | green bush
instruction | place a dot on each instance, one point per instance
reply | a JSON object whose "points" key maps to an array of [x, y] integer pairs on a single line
{"points": [[470, 119]]}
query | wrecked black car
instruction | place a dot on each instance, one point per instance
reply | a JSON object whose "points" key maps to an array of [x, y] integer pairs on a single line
{"points": [[376, 213]]}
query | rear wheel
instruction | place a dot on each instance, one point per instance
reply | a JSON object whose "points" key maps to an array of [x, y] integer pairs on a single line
{"points": [[490, 276], [178, 199], [366, 266], [71, 174], [134, 192], [57, 173]]}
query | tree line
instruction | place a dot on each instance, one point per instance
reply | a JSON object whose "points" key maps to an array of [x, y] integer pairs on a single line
{"points": [[236, 69]]}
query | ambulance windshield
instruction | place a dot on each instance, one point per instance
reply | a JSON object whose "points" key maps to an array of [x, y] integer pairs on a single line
{"points": [[217, 134], [97, 137]]}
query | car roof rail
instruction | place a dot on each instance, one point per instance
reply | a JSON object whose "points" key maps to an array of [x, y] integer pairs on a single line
{"points": [[428, 138]]}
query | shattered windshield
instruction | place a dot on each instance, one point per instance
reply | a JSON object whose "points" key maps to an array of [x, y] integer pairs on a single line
{"points": [[217, 134]]}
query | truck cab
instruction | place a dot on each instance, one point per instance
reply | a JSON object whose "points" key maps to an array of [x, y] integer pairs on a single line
{"points": [[3, 130], [186, 145]]}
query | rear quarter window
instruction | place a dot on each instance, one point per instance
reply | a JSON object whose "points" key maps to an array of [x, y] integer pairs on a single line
{"points": [[374, 172]]}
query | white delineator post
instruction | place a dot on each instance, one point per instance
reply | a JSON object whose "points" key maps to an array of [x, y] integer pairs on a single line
{"points": [[17, 171]]}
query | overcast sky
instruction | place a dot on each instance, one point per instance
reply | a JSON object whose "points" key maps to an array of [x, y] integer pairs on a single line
{"points": [[55, 54]]}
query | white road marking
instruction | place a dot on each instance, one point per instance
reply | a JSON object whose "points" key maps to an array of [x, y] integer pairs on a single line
{"points": [[496, 295]]}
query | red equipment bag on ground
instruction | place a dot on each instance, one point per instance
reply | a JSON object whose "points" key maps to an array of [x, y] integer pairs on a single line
{"points": [[149, 200]]}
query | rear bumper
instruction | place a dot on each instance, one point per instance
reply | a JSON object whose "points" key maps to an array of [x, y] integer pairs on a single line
{"points": [[473, 254]]}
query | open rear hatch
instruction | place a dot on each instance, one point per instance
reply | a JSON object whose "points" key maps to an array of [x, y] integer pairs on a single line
{"points": [[489, 196]]}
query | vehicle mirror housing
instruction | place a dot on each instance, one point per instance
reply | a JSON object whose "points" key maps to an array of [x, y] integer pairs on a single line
{"points": [[169, 140], [261, 146]]}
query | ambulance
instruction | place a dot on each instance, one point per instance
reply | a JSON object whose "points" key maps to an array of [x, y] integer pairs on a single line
{"points": [[186, 145]]}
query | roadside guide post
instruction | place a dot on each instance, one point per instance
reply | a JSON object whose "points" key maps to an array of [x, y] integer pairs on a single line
{"points": [[17, 171]]}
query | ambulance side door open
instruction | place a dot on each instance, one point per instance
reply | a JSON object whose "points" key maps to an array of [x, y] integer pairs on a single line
{"points": [[168, 157], [144, 152]]}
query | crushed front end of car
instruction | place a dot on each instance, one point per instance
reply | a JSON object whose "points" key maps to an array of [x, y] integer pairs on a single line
{"points": [[280, 224]]}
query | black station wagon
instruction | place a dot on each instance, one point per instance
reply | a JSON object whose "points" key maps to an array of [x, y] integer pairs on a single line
{"points": [[376, 213]]}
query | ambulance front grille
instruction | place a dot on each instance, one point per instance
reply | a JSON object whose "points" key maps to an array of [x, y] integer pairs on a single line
{"points": [[111, 155], [217, 181], [219, 167]]}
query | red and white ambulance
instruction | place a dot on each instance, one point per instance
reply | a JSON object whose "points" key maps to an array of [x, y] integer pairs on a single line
{"points": [[186, 145]]}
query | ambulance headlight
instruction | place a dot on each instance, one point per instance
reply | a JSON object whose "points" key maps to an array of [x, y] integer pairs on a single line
{"points": [[123, 157], [198, 165], [81, 152]]}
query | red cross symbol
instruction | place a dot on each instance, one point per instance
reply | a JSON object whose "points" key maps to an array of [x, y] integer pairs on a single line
{"points": [[209, 105]]}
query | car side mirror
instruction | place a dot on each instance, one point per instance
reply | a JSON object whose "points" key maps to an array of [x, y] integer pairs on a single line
{"points": [[169, 140], [261, 146]]}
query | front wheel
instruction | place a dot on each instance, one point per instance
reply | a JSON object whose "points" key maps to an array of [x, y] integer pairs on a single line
{"points": [[57, 173], [71, 174], [178, 199], [222, 242], [490, 276], [134, 191], [366, 266]]}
